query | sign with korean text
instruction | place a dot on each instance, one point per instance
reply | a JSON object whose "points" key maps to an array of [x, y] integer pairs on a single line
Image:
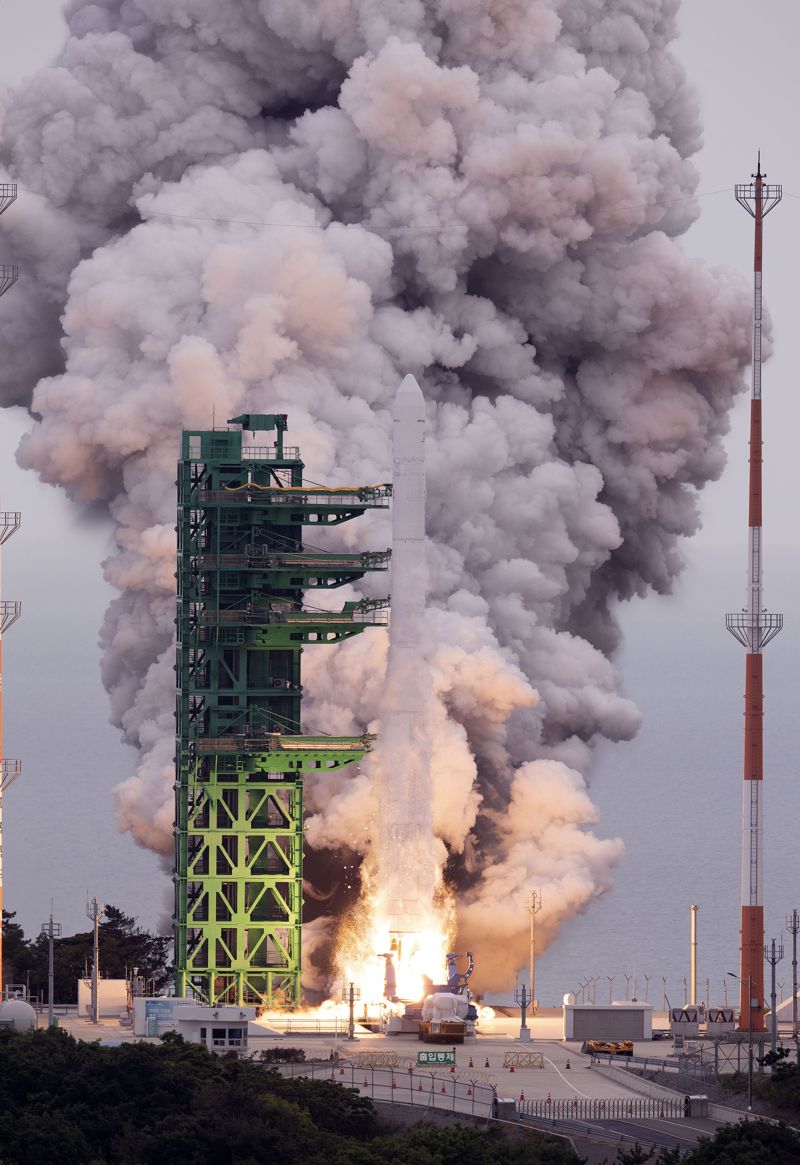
{"points": [[428, 1059]]}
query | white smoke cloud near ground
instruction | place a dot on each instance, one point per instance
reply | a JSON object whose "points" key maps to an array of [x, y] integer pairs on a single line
{"points": [[256, 205]]}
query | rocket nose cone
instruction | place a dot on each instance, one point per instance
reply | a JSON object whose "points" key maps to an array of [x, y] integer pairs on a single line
{"points": [[409, 399], [409, 386]]}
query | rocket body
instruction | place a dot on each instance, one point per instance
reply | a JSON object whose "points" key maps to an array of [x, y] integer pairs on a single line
{"points": [[406, 866]]}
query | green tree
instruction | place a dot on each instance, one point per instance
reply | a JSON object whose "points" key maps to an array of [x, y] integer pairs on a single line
{"points": [[123, 946], [757, 1142], [16, 950], [69, 1103]]}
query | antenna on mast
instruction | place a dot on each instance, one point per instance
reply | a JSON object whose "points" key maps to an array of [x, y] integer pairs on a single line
{"points": [[9, 611], [754, 627]]}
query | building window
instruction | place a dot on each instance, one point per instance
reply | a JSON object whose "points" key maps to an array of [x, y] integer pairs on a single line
{"points": [[203, 1033], [219, 1036]]}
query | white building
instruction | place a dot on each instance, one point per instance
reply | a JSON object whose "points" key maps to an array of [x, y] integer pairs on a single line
{"points": [[221, 1029]]}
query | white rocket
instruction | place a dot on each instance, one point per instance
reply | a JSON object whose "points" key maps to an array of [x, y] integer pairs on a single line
{"points": [[406, 865]]}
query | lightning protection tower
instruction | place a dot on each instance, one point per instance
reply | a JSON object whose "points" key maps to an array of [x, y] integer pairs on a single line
{"points": [[9, 611], [754, 628], [241, 747]]}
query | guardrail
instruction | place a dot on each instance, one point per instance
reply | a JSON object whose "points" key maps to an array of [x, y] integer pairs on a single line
{"points": [[333, 499], [270, 453], [408, 1086], [645, 1061], [615, 1108]]}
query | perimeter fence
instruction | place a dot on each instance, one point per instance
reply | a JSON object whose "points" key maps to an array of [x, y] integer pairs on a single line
{"points": [[612, 1109], [463, 1091]]}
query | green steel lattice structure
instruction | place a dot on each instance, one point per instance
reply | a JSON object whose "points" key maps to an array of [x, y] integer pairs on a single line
{"points": [[241, 749]]}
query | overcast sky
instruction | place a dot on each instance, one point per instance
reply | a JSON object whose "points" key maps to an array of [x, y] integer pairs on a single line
{"points": [[60, 837]]}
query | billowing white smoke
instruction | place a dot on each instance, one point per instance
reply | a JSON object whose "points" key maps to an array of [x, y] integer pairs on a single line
{"points": [[263, 205]]}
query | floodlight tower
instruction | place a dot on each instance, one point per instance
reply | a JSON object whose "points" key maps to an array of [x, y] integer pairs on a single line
{"points": [[754, 628], [9, 611]]}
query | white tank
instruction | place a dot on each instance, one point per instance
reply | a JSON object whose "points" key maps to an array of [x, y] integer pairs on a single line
{"points": [[18, 1015], [444, 1006]]}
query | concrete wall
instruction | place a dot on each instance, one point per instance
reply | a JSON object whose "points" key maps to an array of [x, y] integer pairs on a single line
{"points": [[112, 996]]}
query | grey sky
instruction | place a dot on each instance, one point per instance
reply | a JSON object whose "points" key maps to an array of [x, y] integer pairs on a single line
{"points": [[60, 836]]}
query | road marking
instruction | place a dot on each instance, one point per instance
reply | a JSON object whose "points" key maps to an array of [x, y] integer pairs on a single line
{"points": [[566, 1081]]}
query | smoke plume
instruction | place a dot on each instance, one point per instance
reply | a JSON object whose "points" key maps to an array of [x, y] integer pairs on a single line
{"points": [[259, 205]]}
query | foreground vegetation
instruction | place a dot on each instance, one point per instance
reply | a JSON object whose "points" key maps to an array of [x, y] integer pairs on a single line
{"points": [[69, 1103], [756, 1142]]}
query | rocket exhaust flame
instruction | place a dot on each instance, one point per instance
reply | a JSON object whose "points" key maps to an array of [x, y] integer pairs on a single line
{"points": [[343, 194]]}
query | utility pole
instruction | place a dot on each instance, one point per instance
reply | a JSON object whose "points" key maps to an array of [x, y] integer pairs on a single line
{"points": [[754, 627], [52, 930], [534, 906], [793, 926], [773, 954], [95, 911]]}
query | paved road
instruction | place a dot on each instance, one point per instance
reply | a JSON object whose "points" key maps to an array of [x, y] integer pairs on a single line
{"points": [[683, 1134]]}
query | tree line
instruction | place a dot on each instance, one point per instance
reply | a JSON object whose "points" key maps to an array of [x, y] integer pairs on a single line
{"points": [[123, 946], [63, 1102]]}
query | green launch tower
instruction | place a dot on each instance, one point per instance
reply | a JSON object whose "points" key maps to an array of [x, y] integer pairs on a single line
{"points": [[241, 748]]}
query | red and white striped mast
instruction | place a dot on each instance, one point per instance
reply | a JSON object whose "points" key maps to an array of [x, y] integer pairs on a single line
{"points": [[754, 627], [9, 610]]}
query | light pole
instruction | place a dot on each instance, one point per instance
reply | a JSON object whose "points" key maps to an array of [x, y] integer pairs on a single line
{"points": [[353, 994], [95, 910], [749, 982], [51, 930], [521, 997], [534, 906]]}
